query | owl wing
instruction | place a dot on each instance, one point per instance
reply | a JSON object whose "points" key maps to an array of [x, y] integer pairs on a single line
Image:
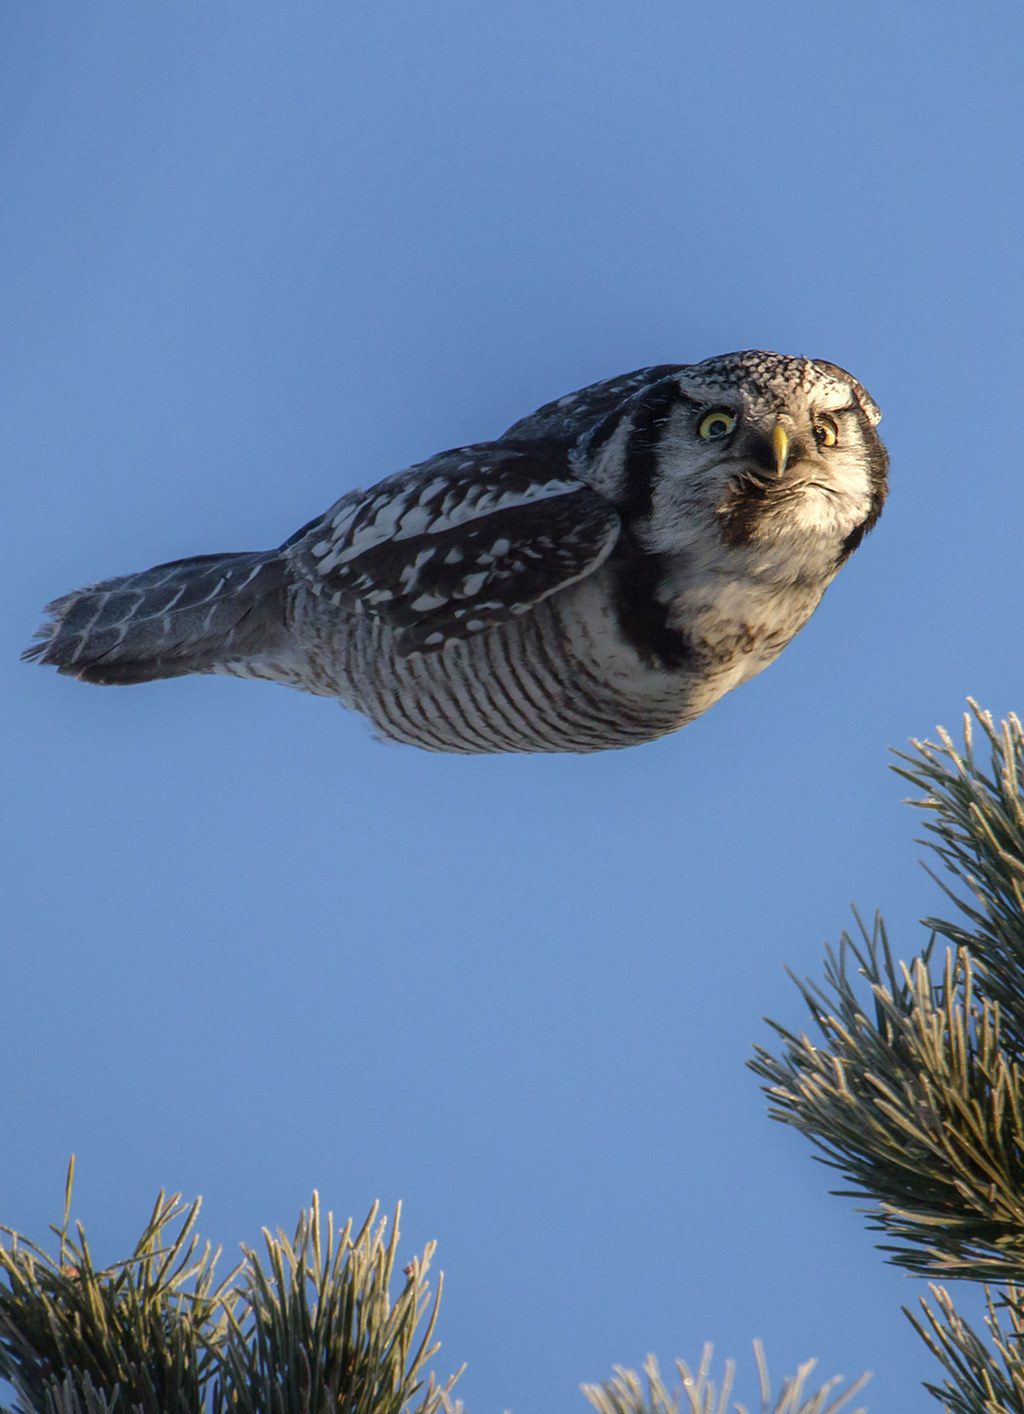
{"points": [[459, 543], [571, 416]]}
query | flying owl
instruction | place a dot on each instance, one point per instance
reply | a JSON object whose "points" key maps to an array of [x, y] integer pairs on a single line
{"points": [[596, 577]]}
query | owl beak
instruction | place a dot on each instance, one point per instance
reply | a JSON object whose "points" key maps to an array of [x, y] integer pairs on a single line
{"points": [[780, 446]]}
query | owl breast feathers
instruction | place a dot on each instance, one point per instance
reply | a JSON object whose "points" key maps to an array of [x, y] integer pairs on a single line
{"points": [[595, 578]]}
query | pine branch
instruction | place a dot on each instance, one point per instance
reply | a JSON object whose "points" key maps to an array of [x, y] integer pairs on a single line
{"points": [[913, 1083], [313, 1333], [310, 1329], [978, 834], [980, 1382], [318, 1330], [141, 1336], [908, 1091], [625, 1394]]}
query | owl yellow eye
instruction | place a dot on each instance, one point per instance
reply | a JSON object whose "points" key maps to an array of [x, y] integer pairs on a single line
{"points": [[716, 424], [826, 433]]}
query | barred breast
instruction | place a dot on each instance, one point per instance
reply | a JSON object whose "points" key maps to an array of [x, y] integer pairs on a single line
{"points": [[527, 685]]}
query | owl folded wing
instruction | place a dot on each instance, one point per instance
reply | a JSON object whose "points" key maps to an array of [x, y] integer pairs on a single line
{"points": [[459, 543]]}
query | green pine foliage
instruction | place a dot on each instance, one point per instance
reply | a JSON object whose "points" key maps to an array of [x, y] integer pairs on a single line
{"points": [[911, 1081], [141, 1336], [910, 1084], [984, 1376], [315, 1329], [310, 1329], [698, 1393]]}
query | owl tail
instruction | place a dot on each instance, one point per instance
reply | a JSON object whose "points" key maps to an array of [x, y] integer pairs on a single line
{"points": [[190, 616]]}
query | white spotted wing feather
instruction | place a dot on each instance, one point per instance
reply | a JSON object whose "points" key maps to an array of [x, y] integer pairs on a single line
{"points": [[458, 544]]}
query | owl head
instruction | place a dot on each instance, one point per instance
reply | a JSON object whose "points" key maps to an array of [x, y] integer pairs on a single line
{"points": [[761, 448]]}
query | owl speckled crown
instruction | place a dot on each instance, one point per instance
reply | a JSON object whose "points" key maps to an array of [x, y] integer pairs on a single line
{"points": [[776, 377]]}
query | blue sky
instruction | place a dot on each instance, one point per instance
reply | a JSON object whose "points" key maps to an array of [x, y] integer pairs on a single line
{"points": [[255, 255]]}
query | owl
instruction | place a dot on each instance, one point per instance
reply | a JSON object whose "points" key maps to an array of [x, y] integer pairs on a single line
{"points": [[595, 578]]}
